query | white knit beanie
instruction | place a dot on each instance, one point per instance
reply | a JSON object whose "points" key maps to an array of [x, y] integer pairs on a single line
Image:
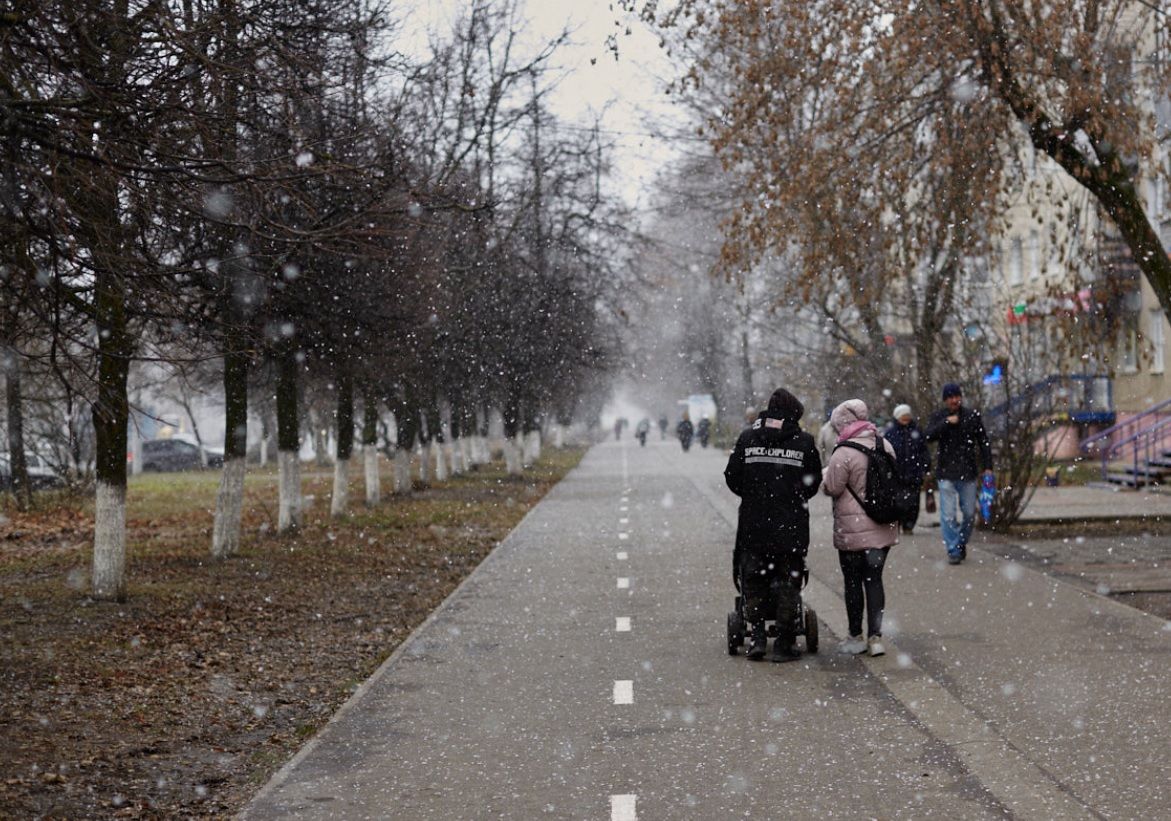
{"points": [[900, 411]]}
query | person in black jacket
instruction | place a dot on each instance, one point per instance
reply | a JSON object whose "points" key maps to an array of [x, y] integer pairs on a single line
{"points": [[963, 453], [774, 469], [911, 457], [684, 431]]}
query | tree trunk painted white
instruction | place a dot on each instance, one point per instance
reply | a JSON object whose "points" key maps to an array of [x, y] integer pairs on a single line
{"points": [[512, 458], [532, 447], [425, 463], [109, 579], [402, 471], [289, 514], [264, 450], [440, 461], [135, 450], [373, 480], [458, 461], [320, 448], [229, 505], [558, 436], [341, 487]]}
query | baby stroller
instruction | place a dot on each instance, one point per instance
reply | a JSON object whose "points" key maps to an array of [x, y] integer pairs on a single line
{"points": [[739, 628]]}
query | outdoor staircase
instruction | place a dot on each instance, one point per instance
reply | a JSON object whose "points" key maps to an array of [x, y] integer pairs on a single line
{"points": [[1136, 453]]}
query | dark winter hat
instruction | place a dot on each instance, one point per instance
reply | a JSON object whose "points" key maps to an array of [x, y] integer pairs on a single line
{"points": [[951, 389], [786, 405]]}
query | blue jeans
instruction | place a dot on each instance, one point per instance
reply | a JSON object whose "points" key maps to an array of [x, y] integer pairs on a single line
{"points": [[953, 494]]}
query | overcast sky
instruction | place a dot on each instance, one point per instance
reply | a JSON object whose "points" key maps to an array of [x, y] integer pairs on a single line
{"points": [[627, 92]]}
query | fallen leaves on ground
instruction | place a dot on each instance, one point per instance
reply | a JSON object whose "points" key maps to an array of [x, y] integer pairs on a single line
{"points": [[182, 700]]}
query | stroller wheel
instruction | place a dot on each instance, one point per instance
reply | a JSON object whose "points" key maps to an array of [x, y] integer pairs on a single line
{"points": [[736, 631], [810, 630]]}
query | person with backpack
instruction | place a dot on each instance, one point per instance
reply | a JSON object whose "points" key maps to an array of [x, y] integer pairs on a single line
{"points": [[775, 470], [858, 477], [911, 457], [963, 457]]}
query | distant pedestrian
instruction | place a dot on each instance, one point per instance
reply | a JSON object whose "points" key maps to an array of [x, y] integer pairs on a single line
{"points": [[963, 456], [861, 542], [750, 415], [663, 422], [684, 431], [774, 469], [911, 457], [640, 432], [703, 431], [618, 428]]}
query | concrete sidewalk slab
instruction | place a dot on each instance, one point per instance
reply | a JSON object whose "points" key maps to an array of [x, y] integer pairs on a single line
{"points": [[1006, 693], [1082, 503]]}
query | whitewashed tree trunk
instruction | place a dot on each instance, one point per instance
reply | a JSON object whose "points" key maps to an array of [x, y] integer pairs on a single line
{"points": [[264, 450], [109, 579], [558, 436], [512, 458], [341, 487], [425, 463], [532, 447], [373, 480], [289, 513], [458, 461], [229, 506], [438, 449], [402, 471], [136, 450]]}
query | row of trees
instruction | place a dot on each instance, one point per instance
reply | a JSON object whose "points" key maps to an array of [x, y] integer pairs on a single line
{"points": [[870, 167], [272, 187], [872, 156]]}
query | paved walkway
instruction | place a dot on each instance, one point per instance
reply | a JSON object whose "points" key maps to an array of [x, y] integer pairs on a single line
{"points": [[581, 673], [1082, 503]]}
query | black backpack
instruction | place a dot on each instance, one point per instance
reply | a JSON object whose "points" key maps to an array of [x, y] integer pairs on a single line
{"points": [[888, 498]]}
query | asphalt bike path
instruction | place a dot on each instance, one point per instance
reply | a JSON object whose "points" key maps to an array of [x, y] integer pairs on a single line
{"points": [[581, 672]]}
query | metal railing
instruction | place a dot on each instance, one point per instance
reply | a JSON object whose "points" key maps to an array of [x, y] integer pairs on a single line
{"points": [[1083, 398], [1142, 433]]}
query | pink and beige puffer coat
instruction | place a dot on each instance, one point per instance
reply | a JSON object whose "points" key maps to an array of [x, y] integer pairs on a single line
{"points": [[853, 529]]}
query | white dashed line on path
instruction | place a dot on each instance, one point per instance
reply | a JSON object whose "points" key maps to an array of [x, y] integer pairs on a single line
{"points": [[624, 521], [623, 555], [622, 624], [623, 536], [623, 583], [624, 691], [622, 808], [623, 509]]}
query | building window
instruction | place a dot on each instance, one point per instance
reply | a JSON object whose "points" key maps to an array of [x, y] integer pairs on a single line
{"points": [[1016, 263], [1157, 340], [1130, 336], [1034, 255]]}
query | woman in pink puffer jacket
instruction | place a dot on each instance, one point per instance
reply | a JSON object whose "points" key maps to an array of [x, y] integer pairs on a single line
{"points": [[862, 543]]}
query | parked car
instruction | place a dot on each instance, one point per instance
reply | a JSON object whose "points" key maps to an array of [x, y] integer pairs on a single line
{"points": [[168, 455], [40, 474]]}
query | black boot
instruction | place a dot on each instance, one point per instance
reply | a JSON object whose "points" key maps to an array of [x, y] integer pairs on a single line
{"points": [[785, 649], [758, 643]]}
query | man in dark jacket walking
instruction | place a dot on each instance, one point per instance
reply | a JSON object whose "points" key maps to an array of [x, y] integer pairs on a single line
{"points": [[911, 457], [963, 453], [774, 469]]}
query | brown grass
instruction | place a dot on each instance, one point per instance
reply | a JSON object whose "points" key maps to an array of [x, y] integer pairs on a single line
{"points": [[186, 697]]}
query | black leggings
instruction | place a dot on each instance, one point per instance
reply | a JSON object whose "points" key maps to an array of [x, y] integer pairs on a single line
{"points": [[862, 570]]}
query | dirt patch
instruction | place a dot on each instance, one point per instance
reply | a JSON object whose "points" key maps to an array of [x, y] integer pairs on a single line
{"points": [[185, 698], [1132, 526]]}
